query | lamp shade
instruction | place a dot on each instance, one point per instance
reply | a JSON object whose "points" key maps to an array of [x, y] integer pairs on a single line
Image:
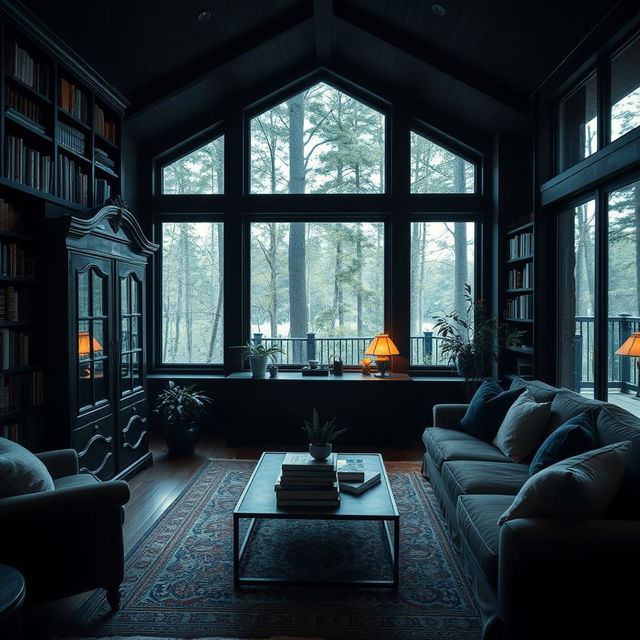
{"points": [[631, 346], [382, 345], [84, 344]]}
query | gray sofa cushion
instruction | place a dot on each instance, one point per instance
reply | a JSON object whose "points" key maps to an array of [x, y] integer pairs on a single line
{"points": [[473, 477], [616, 425], [567, 405], [449, 444], [477, 518], [540, 391], [21, 472]]}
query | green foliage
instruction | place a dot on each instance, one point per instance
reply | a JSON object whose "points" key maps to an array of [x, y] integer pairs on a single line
{"points": [[318, 433], [199, 172], [180, 405], [259, 349], [474, 336]]}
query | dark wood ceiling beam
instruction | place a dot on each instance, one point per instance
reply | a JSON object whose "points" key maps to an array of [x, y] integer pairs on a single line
{"points": [[393, 37], [208, 65], [323, 25]]}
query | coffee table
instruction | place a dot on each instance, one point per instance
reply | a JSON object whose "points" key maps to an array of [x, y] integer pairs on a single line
{"points": [[258, 501]]}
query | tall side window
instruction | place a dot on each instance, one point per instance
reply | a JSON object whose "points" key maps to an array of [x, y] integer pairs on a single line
{"points": [[200, 172], [317, 288], [576, 304], [319, 141], [578, 124], [192, 293], [625, 90], [435, 169], [442, 262]]}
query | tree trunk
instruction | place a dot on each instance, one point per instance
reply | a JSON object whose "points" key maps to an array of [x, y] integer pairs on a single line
{"points": [[273, 279], [187, 293], [178, 319], [217, 316], [359, 265], [338, 307], [460, 241]]}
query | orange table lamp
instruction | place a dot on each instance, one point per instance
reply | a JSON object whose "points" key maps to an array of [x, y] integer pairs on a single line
{"points": [[382, 348]]}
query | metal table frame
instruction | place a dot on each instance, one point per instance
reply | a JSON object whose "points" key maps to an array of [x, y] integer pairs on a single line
{"points": [[392, 539]]}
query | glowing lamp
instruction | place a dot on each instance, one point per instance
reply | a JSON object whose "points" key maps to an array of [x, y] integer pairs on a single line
{"points": [[382, 348], [85, 342], [631, 347]]}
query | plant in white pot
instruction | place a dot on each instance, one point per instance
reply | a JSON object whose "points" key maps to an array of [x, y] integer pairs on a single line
{"points": [[320, 436], [258, 355], [179, 408]]}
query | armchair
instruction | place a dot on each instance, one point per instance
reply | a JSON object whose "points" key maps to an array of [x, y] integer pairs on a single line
{"points": [[67, 540]]}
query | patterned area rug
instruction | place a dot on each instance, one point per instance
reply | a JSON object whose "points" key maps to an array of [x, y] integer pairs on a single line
{"points": [[179, 578]]}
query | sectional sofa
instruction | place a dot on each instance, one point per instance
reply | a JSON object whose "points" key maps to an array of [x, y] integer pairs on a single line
{"points": [[539, 578]]}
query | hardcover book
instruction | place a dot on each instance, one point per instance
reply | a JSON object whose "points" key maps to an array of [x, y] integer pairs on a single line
{"points": [[371, 478], [303, 462], [351, 469]]}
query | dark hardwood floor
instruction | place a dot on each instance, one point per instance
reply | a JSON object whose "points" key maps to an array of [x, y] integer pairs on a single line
{"points": [[152, 492]]}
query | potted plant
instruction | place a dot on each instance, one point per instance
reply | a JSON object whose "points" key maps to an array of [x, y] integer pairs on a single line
{"points": [[321, 436], [258, 355], [179, 408], [473, 338]]}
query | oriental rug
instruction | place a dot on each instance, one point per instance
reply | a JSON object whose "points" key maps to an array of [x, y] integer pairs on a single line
{"points": [[179, 577]]}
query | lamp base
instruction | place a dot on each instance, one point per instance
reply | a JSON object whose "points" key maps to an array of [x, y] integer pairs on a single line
{"points": [[382, 367]]}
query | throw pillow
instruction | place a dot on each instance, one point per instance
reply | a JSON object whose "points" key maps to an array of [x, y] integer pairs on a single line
{"points": [[487, 410], [21, 472], [523, 427], [579, 487], [575, 436]]}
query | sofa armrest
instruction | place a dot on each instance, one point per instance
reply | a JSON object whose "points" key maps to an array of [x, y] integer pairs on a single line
{"points": [[448, 415], [63, 462], [571, 573], [41, 506]]}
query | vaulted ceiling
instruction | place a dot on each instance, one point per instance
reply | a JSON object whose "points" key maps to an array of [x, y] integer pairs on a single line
{"points": [[475, 66]]}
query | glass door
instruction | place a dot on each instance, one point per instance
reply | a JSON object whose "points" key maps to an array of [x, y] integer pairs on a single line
{"points": [[130, 279]]}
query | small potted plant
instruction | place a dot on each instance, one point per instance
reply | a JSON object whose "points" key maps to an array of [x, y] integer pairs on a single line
{"points": [[179, 408], [321, 436], [258, 355]]}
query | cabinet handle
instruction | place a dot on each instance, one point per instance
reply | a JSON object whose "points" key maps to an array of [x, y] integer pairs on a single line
{"points": [[96, 427]]}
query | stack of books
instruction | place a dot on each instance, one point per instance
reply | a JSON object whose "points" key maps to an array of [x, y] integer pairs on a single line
{"points": [[354, 478], [305, 482]]}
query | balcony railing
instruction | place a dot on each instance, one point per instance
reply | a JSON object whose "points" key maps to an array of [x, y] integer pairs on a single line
{"points": [[622, 371], [425, 349]]}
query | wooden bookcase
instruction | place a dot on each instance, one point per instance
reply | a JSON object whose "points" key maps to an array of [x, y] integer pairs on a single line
{"points": [[518, 292], [60, 126], [21, 348]]}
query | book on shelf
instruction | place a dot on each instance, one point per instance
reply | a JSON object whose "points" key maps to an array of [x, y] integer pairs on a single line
{"points": [[351, 469], [15, 306], [104, 158], [14, 348], [520, 307], [73, 182], [303, 462], [28, 166], [521, 278], [71, 138], [19, 63], [10, 219], [74, 101], [103, 190], [104, 127], [21, 391], [15, 262], [12, 431], [521, 245], [24, 108], [371, 478]]}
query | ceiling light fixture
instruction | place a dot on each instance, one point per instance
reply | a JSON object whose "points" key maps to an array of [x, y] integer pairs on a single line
{"points": [[204, 16], [438, 9]]}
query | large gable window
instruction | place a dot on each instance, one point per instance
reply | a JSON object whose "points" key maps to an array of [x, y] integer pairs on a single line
{"points": [[435, 169], [319, 141], [200, 172]]}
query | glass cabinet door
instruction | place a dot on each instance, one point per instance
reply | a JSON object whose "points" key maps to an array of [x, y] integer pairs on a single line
{"points": [[131, 345], [92, 281]]}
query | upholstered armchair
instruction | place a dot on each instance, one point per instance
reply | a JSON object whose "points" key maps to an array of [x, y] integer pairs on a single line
{"points": [[69, 539]]}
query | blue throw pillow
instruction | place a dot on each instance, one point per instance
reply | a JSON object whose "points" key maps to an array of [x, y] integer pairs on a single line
{"points": [[487, 410], [574, 437]]}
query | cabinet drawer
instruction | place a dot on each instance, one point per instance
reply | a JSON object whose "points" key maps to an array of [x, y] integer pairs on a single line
{"points": [[95, 447], [134, 433]]}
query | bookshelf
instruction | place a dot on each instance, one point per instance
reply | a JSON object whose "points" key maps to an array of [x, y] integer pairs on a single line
{"points": [[60, 125], [518, 292], [21, 374]]}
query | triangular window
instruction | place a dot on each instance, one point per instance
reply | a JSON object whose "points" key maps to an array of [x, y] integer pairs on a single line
{"points": [[200, 172]]}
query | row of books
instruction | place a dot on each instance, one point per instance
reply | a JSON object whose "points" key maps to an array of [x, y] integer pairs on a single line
{"points": [[24, 108], [71, 138], [103, 190], [520, 307], [21, 391], [521, 245], [14, 348], [106, 128], [11, 431], [15, 262], [28, 166], [10, 299], [103, 158], [521, 278], [19, 63], [10, 219], [74, 101], [73, 182]]}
